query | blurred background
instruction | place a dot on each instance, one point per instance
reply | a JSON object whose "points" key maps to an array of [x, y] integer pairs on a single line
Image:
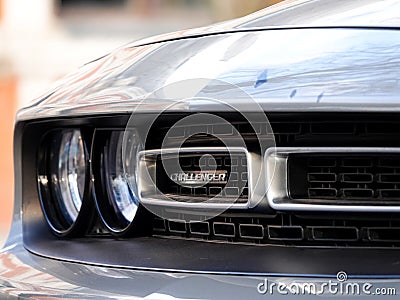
{"points": [[42, 40]]}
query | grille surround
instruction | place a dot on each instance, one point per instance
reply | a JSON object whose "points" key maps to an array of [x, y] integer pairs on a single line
{"points": [[149, 193]]}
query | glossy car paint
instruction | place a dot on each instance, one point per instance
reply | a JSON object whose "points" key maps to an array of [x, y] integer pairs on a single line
{"points": [[321, 69], [100, 87]]}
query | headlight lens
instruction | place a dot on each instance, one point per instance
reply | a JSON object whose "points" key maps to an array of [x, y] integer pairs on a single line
{"points": [[119, 209], [64, 179], [69, 175]]}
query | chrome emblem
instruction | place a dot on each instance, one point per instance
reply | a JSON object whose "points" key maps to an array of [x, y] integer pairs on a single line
{"points": [[200, 177]]}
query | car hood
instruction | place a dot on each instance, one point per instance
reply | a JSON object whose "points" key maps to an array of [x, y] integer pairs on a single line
{"points": [[303, 69]]}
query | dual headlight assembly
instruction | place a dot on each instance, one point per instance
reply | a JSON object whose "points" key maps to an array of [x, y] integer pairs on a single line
{"points": [[77, 173]]}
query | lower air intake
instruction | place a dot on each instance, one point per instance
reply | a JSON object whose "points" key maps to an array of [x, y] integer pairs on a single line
{"points": [[322, 229]]}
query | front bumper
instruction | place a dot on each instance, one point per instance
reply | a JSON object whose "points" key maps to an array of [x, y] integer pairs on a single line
{"points": [[27, 276]]}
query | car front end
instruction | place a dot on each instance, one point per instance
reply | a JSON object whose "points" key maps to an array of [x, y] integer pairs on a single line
{"points": [[229, 163]]}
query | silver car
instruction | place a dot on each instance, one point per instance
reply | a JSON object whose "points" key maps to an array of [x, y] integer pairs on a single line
{"points": [[254, 158]]}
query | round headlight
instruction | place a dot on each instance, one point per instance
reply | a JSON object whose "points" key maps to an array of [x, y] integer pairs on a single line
{"points": [[116, 193], [65, 178]]}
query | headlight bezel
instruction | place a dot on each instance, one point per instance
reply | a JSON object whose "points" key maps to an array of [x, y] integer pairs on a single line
{"points": [[35, 217]]}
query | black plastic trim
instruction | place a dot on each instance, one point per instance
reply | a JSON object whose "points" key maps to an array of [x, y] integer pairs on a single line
{"points": [[187, 255], [160, 254]]}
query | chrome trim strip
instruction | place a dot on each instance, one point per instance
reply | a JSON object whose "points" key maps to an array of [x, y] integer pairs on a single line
{"points": [[241, 226], [232, 225], [336, 228], [275, 160], [300, 228], [372, 239], [199, 232], [171, 222]]}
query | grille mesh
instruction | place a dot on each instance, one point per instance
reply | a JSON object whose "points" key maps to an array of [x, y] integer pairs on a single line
{"points": [[345, 177], [234, 165]]}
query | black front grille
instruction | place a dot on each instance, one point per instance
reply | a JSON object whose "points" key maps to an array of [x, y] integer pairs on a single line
{"points": [[258, 228], [289, 130], [364, 179], [288, 229], [336, 131], [373, 179]]}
